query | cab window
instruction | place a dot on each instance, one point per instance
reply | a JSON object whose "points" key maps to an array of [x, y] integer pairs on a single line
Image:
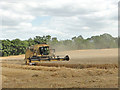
{"points": [[44, 50]]}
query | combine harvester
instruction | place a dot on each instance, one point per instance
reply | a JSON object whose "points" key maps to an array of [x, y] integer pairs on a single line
{"points": [[41, 52]]}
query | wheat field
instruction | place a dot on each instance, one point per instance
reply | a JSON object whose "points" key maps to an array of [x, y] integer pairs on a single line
{"points": [[86, 69]]}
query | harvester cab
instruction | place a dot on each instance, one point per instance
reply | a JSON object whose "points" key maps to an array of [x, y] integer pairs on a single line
{"points": [[41, 52]]}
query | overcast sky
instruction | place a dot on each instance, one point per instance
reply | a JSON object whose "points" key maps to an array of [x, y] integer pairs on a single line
{"points": [[59, 18]]}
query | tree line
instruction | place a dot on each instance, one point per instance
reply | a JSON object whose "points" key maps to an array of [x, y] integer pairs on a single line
{"points": [[17, 46]]}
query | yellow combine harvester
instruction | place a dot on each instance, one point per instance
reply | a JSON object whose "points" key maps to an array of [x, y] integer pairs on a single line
{"points": [[41, 52]]}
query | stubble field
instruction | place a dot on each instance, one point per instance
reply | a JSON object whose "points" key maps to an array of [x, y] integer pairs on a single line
{"points": [[86, 69]]}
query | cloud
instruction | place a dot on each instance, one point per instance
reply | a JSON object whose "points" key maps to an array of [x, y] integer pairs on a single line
{"points": [[67, 18]]}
